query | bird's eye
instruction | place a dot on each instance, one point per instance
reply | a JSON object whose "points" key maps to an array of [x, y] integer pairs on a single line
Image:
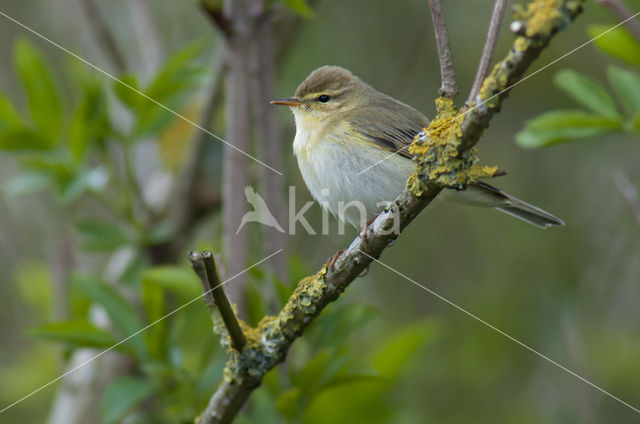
{"points": [[324, 98]]}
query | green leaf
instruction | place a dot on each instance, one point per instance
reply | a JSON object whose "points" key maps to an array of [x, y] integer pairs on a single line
{"points": [[627, 87], [122, 314], [287, 402], [179, 280], [256, 302], [340, 321], [42, 96], [392, 356], [23, 138], [76, 333], [153, 303], [86, 179], [560, 126], [310, 375], [28, 183], [168, 87], [125, 91], [90, 120], [121, 396], [8, 115], [588, 92], [617, 42], [98, 236], [360, 401], [301, 7]]}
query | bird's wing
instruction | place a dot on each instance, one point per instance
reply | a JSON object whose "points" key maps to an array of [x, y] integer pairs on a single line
{"points": [[391, 126]]}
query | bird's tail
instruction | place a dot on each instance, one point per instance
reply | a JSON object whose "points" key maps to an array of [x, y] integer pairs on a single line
{"points": [[482, 194]]}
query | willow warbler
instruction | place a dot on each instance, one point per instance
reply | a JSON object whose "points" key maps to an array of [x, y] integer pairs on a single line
{"points": [[345, 134]]}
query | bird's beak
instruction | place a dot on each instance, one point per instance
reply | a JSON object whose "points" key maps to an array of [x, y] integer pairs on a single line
{"points": [[291, 101]]}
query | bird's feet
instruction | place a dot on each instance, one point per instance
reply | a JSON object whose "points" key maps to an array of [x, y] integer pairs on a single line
{"points": [[332, 260], [365, 272], [363, 230]]}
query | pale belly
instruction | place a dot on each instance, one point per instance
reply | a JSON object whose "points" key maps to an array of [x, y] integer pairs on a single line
{"points": [[333, 176]]}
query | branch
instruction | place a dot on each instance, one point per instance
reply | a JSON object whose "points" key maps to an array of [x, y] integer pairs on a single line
{"points": [[622, 12], [104, 34], [447, 155], [447, 73], [489, 48], [204, 265]]}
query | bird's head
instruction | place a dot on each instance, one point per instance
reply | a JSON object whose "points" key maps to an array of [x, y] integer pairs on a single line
{"points": [[326, 93]]}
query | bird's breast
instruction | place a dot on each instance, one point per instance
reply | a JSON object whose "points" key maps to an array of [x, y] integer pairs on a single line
{"points": [[347, 174]]}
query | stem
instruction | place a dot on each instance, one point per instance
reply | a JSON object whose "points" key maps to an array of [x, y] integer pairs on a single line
{"points": [[622, 12], [104, 34], [204, 266], [447, 72], [489, 48]]}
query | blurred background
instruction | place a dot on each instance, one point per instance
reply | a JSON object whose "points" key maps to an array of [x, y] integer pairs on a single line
{"points": [[103, 193]]}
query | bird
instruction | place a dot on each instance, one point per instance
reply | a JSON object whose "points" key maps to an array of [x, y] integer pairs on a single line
{"points": [[351, 147]]}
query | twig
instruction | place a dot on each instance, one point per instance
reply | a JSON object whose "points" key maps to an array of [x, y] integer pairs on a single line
{"points": [[269, 343], [489, 48], [447, 73], [104, 34], [214, 11], [629, 194], [622, 12], [204, 266]]}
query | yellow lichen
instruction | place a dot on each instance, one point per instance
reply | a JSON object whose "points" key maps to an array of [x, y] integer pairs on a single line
{"points": [[521, 44], [542, 16], [437, 157]]}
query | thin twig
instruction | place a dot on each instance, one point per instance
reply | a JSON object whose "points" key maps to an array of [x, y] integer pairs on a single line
{"points": [[622, 12], [214, 291], [104, 34], [489, 48], [447, 73]]}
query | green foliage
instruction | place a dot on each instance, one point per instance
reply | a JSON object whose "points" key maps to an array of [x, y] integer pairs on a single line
{"points": [[178, 280], [167, 88], [330, 366], [75, 334], [42, 95], [122, 314], [560, 126], [617, 42], [603, 115], [121, 396], [23, 138], [627, 86], [96, 235], [301, 7], [587, 92]]}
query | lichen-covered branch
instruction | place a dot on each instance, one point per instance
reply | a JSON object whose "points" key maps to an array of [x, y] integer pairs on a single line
{"points": [[445, 159], [447, 72], [497, 15]]}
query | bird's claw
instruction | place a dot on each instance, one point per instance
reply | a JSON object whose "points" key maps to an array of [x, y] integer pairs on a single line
{"points": [[363, 230], [332, 260]]}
